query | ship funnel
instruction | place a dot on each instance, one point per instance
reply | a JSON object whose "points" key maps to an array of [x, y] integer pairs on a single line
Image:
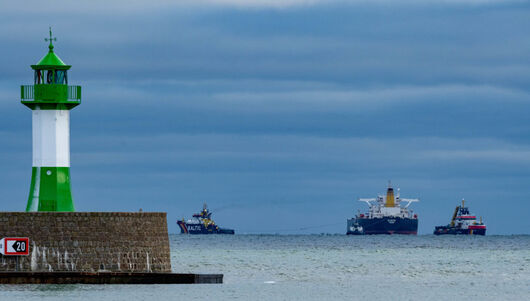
{"points": [[390, 202]]}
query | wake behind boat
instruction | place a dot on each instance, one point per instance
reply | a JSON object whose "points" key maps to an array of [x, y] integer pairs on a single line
{"points": [[202, 223]]}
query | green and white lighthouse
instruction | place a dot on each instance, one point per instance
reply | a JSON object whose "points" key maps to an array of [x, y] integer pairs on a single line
{"points": [[50, 100]]}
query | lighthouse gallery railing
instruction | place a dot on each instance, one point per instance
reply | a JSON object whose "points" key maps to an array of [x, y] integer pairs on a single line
{"points": [[27, 92]]}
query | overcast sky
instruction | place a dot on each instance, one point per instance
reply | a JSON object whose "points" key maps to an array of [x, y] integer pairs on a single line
{"points": [[281, 114]]}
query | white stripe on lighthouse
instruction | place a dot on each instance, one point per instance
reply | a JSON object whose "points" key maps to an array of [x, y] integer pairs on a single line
{"points": [[51, 138]]}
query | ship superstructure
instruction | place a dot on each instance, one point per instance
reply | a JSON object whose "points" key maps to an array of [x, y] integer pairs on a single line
{"points": [[202, 223], [387, 214], [462, 222]]}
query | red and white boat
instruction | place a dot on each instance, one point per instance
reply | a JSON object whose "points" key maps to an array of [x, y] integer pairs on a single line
{"points": [[462, 222]]}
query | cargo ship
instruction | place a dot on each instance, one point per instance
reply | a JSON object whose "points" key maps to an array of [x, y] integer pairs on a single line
{"points": [[386, 215], [202, 223], [462, 222]]}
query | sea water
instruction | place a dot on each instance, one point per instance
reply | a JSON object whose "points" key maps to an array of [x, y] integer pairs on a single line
{"points": [[326, 267]]}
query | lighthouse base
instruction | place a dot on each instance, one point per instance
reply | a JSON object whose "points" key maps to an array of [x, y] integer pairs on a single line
{"points": [[88, 242], [106, 278], [50, 190]]}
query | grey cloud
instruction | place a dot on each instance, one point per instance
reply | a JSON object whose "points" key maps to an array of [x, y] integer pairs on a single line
{"points": [[296, 110], [375, 45]]}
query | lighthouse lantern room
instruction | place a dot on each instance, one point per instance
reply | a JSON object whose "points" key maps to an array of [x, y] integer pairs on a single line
{"points": [[50, 100]]}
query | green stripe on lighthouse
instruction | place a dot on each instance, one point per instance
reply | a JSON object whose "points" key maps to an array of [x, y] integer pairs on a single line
{"points": [[50, 190]]}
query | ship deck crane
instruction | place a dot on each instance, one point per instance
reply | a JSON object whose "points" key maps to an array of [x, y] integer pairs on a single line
{"points": [[454, 216], [409, 201]]}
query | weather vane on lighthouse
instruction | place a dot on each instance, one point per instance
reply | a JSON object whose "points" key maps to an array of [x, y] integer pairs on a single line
{"points": [[50, 100], [50, 39]]}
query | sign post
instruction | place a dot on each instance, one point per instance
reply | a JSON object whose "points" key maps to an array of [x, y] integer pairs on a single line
{"points": [[14, 246]]}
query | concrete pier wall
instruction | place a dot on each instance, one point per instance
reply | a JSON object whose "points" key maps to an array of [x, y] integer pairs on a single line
{"points": [[89, 241]]}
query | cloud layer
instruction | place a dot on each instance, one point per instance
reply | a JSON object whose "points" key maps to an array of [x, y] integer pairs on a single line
{"points": [[282, 112]]}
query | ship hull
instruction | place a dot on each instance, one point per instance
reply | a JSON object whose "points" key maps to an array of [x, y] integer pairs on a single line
{"points": [[384, 225], [443, 230], [186, 228]]}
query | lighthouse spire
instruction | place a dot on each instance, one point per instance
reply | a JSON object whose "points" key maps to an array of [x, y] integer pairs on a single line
{"points": [[50, 40]]}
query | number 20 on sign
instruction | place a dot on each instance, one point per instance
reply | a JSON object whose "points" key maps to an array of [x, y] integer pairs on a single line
{"points": [[14, 246]]}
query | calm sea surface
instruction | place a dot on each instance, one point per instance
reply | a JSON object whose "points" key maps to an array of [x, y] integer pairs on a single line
{"points": [[327, 267]]}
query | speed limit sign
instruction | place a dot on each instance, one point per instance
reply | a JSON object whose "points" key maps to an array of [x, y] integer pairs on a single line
{"points": [[14, 246]]}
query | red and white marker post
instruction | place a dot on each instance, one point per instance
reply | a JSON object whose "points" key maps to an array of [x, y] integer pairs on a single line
{"points": [[14, 246]]}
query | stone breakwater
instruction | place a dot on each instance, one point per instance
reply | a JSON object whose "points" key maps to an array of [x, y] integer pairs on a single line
{"points": [[88, 241]]}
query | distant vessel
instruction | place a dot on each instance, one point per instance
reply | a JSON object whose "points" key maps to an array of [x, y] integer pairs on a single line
{"points": [[386, 215], [202, 223], [462, 222]]}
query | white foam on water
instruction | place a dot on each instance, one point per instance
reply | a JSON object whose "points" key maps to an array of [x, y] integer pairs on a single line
{"points": [[130, 262], [44, 261], [148, 264], [66, 259], [33, 264], [58, 256]]}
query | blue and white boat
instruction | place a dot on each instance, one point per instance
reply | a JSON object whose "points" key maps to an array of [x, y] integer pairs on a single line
{"points": [[202, 223]]}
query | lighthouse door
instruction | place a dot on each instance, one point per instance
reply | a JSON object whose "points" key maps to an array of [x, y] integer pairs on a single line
{"points": [[47, 205]]}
